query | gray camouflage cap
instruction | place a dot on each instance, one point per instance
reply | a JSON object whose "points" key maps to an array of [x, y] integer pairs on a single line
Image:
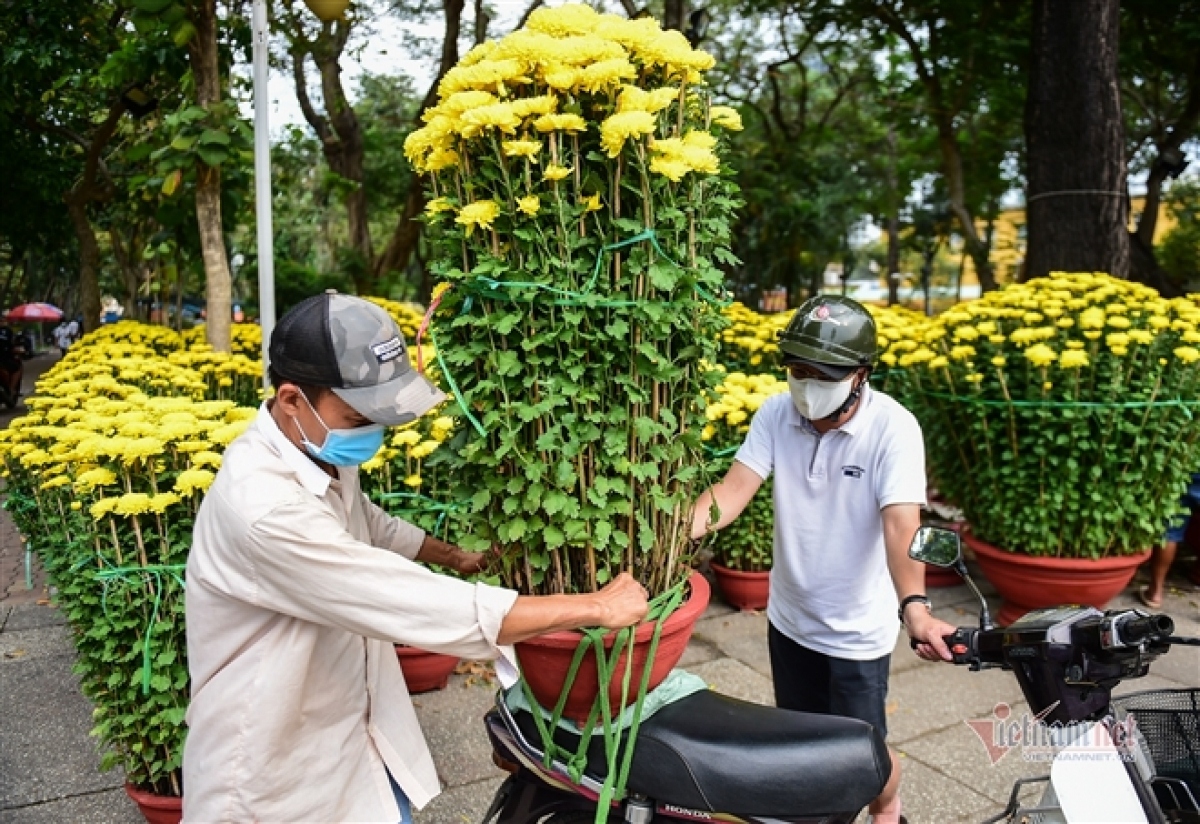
{"points": [[353, 347]]}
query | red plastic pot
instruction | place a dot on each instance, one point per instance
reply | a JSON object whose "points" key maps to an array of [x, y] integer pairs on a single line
{"points": [[1027, 583], [156, 809], [545, 659], [425, 671], [940, 577], [742, 590]]}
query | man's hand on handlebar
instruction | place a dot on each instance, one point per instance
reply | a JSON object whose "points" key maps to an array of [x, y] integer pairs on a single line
{"points": [[926, 633]]}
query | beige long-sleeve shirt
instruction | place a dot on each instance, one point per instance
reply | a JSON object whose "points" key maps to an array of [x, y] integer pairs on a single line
{"points": [[297, 587]]}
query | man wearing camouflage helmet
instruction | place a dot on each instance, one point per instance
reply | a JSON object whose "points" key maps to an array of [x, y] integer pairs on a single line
{"points": [[849, 469], [297, 587]]}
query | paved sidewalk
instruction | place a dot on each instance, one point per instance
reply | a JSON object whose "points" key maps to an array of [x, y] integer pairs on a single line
{"points": [[48, 764]]}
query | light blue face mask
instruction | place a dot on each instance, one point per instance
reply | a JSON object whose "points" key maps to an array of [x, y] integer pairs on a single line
{"points": [[343, 447]]}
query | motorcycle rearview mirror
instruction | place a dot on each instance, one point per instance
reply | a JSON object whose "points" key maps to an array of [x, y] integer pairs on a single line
{"points": [[941, 547], [936, 546]]}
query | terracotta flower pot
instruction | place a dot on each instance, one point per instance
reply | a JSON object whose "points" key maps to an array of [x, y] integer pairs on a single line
{"points": [[938, 577], [546, 659], [1027, 583], [157, 809], [425, 671], [742, 590]]}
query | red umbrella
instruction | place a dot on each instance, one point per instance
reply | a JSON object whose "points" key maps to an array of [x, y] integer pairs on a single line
{"points": [[35, 312]]}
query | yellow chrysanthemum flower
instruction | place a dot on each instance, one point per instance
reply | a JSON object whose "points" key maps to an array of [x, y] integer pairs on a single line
{"points": [[623, 126], [481, 213], [529, 205], [191, 481], [726, 117], [522, 148]]}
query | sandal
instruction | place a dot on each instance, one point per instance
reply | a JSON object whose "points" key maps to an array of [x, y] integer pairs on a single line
{"points": [[1143, 595]]}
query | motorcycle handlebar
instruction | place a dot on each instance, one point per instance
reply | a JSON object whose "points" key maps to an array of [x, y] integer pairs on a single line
{"points": [[974, 647], [1133, 629]]}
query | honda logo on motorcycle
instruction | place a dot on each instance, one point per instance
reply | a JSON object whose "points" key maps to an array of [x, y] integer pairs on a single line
{"points": [[671, 809]]}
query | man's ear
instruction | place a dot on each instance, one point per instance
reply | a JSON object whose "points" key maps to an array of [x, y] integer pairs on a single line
{"points": [[288, 398]]}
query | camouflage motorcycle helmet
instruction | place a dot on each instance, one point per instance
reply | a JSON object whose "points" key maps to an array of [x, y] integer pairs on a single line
{"points": [[833, 334]]}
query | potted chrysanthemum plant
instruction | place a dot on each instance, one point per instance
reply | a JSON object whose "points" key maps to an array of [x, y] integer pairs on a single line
{"points": [[104, 476], [1060, 415], [578, 215]]}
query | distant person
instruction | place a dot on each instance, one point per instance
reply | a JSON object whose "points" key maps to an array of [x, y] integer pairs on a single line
{"points": [[11, 368], [62, 337]]}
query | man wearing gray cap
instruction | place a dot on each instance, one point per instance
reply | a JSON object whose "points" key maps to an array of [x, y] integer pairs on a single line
{"points": [[297, 587]]}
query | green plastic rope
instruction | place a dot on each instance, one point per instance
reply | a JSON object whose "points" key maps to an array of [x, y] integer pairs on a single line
{"points": [[490, 287], [661, 608], [109, 574], [443, 508], [462, 402], [721, 453]]}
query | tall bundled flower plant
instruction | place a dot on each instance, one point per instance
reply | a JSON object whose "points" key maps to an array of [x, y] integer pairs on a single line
{"points": [[1060, 414], [579, 213]]}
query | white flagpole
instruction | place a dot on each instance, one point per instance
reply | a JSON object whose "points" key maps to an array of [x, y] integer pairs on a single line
{"points": [[262, 179]]}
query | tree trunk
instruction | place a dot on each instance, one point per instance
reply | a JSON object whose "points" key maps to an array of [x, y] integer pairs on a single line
{"points": [[1076, 209], [956, 187], [893, 258], [202, 51], [407, 233], [673, 15], [218, 282], [89, 263], [341, 139]]}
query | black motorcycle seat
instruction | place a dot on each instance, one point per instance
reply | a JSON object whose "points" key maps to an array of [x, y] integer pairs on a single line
{"points": [[717, 754]]}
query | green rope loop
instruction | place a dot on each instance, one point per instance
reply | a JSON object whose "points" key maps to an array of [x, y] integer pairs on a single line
{"points": [[442, 508], [156, 571], [660, 608], [499, 289]]}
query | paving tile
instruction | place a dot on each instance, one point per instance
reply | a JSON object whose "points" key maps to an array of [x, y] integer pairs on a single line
{"points": [[45, 750], [464, 804], [33, 616], [735, 679], [931, 797], [25, 645], [959, 753], [104, 807], [935, 696], [698, 652], [452, 720]]}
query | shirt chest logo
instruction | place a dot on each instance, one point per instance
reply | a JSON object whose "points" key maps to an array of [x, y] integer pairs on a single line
{"points": [[851, 471]]}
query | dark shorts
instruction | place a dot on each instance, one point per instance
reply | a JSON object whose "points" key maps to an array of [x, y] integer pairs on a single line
{"points": [[810, 681]]}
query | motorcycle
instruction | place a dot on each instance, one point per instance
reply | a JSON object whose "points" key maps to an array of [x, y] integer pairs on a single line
{"points": [[1134, 759], [705, 757], [708, 757]]}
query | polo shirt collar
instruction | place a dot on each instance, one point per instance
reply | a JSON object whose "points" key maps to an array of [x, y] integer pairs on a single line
{"points": [[311, 476], [851, 427]]}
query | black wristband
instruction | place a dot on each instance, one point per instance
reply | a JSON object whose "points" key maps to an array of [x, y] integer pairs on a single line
{"points": [[914, 599]]}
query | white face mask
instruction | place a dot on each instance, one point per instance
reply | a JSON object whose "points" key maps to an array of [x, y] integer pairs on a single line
{"points": [[816, 399]]}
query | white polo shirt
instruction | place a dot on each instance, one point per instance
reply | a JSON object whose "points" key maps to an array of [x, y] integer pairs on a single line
{"points": [[830, 586]]}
